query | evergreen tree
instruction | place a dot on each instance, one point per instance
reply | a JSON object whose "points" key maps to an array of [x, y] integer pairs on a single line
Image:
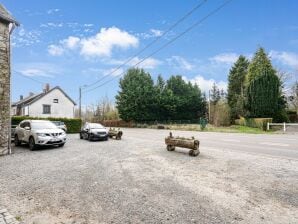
{"points": [[214, 94], [259, 65], [263, 96], [264, 89], [236, 84], [135, 100], [165, 104], [187, 98]]}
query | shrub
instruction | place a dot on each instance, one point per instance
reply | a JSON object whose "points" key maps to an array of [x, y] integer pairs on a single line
{"points": [[221, 116], [203, 123], [254, 122], [73, 124], [160, 126]]}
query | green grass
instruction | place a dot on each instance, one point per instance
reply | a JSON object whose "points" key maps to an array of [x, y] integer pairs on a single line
{"points": [[211, 128], [237, 129]]}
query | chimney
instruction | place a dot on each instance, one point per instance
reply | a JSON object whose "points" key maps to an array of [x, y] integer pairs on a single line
{"points": [[31, 94], [46, 88], [21, 97]]}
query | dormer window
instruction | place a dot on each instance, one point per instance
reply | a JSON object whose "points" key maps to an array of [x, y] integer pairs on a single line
{"points": [[55, 101]]}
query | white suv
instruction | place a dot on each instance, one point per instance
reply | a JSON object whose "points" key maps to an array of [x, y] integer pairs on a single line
{"points": [[39, 133]]}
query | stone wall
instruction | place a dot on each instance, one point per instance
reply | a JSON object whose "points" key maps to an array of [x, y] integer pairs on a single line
{"points": [[4, 89]]}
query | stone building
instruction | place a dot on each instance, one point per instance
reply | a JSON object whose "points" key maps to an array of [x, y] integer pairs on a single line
{"points": [[7, 24]]}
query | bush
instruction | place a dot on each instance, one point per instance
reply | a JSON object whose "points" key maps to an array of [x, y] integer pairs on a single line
{"points": [[293, 116], [160, 126], [254, 122], [73, 124], [221, 115]]}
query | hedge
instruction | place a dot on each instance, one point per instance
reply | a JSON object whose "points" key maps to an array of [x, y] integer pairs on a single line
{"points": [[254, 122], [73, 124]]}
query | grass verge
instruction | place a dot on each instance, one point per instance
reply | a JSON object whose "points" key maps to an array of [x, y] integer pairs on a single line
{"points": [[211, 128]]}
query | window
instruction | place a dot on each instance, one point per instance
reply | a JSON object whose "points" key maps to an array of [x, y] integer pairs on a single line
{"points": [[22, 124], [46, 109], [25, 124], [55, 101]]}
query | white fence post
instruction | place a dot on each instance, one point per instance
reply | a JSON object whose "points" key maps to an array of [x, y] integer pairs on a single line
{"points": [[284, 126], [268, 126]]}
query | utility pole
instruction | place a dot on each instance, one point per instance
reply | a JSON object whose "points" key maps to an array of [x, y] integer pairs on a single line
{"points": [[80, 102], [209, 108]]}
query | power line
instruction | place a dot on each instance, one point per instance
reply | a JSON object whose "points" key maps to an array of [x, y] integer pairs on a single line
{"points": [[27, 77], [168, 43], [152, 42]]}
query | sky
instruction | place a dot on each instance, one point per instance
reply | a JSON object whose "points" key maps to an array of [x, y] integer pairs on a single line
{"points": [[74, 43]]}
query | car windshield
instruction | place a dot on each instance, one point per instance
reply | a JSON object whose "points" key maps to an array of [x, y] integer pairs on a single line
{"points": [[93, 126], [58, 123], [42, 125]]}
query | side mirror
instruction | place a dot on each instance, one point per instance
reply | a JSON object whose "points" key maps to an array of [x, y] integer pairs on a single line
{"points": [[27, 128]]}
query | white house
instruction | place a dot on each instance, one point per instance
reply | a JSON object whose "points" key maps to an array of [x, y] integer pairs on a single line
{"points": [[50, 103]]}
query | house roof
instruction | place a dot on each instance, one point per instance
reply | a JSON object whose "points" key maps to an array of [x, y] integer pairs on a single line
{"points": [[31, 99], [26, 100], [6, 16]]}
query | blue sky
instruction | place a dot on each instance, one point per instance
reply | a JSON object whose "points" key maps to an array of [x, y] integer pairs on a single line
{"points": [[73, 43]]}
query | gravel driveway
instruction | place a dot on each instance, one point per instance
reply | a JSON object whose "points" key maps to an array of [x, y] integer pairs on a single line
{"points": [[136, 180]]}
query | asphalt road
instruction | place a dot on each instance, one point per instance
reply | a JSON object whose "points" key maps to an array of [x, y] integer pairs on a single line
{"points": [[237, 178], [274, 145]]}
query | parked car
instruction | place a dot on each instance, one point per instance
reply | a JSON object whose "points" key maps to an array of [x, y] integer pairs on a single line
{"points": [[39, 133], [61, 125], [94, 131], [13, 129]]}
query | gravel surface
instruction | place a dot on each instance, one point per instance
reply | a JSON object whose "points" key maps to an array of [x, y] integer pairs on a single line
{"points": [[135, 180]]}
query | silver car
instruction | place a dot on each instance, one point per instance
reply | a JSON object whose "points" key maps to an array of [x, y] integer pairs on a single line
{"points": [[60, 125], [39, 133]]}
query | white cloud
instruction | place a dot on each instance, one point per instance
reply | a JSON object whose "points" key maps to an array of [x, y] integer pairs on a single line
{"points": [[180, 63], [38, 69], [88, 25], [52, 25], [151, 33], [103, 43], [71, 42], [51, 11], [149, 63], [206, 84], [100, 45], [287, 58], [55, 50], [34, 72], [227, 58], [23, 37], [156, 33]]}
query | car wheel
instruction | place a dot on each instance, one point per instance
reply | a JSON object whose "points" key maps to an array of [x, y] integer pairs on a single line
{"points": [[32, 145], [107, 139], [61, 145], [16, 141], [81, 137]]}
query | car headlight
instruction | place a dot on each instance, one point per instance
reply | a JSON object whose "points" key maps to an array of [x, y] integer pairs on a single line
{"points": [[41, 134]]}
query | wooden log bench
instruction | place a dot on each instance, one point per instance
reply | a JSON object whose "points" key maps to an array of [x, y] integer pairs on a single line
{"points": [[189, 143]]}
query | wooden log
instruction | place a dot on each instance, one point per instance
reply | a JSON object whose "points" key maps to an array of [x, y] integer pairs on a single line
{"points": [[115, 133], [189, 143]]}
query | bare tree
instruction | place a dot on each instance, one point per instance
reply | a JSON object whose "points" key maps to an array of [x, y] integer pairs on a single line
{"points": [[293, 98]]}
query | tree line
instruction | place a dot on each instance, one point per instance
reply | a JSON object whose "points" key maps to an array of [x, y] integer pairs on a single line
{"points": [[254, 91], [142, 99]]}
